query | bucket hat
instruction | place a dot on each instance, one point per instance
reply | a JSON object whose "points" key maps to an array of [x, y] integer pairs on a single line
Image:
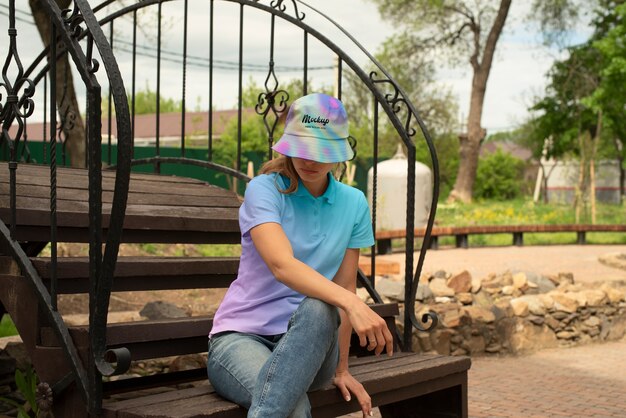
{"points": [[316, 129]]}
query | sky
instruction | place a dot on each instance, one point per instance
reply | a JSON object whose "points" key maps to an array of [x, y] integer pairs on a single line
{"points": [[518, 71]]}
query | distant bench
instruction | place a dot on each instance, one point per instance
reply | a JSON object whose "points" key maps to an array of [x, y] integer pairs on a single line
{"points": [[461, 233]]}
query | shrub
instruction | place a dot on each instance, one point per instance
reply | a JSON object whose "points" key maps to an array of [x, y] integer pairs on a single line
{"points": [[498, 177]]}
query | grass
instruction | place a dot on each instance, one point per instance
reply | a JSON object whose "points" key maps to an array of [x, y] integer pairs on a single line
{"points": [[526, 212], [522, 212], [7, 327]]}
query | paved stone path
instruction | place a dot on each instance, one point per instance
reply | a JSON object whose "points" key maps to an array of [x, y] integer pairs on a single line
{"points": [[579, 382], [585, 381]]}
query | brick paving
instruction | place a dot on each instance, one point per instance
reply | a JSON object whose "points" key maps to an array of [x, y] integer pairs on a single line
{"points": [[585, 381], [576, 382]]}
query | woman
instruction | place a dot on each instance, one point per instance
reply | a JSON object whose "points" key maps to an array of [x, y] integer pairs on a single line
{"points": [[277, 333]]}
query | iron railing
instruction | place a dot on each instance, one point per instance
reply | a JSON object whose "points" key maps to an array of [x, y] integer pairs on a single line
{"points": [[80, 29]]}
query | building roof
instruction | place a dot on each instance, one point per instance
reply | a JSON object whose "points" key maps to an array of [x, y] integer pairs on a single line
{"points": [[170, 125]]}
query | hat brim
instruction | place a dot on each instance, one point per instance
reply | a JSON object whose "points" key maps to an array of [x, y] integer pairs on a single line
{"points": [[321, 150]]}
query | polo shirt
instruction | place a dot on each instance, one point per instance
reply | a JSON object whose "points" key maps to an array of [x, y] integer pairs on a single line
{"points": [[320, 231]]}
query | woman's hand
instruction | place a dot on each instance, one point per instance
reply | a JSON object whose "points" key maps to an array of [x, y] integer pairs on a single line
{"points": [[370, 327], [347, 384]]}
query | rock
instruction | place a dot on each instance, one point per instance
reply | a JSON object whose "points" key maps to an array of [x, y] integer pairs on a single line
{"points": [[440, 274], [546, 301], [563, 302], [478, 314], [508, 290], [580, 297], [459, 352], [566, 277], [423, 293], [443, 299], [566, 335], [483, 299], [537, 320], [520, 307], [552, 323], [188, 362], [391, 289], [616, 260], [465, 298], [476, 344], [526, 337], [162, 310], [461, 282], [441, 341], [544, 284], [618, 328], [362, 293], [593, 321], [440, 288], [424, 341], [614, 295], [493, 348], [476, 284], [520, 280], [595, 297]]}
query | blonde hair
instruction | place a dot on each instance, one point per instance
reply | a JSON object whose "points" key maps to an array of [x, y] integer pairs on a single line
{"points": [[283, 165]]}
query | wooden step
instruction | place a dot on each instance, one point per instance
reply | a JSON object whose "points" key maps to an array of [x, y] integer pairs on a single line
{"points": [[160, 208], [386, 379], [144, 273], [166, 337]]}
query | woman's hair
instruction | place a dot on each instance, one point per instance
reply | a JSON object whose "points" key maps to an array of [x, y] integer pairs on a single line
{"points": [[283, 165]]}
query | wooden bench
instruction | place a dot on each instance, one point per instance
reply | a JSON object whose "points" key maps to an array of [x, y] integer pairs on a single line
{"points": [[461, 233], [177, 210]]}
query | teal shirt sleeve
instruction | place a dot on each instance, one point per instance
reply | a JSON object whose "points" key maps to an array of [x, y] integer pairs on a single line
{"points": [[362, 234]]}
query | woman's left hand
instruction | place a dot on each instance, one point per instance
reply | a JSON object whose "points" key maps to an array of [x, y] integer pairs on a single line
{"points": [[348, 385]]}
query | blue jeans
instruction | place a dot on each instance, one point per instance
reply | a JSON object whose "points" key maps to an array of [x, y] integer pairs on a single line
{"points": [[270, 375]]}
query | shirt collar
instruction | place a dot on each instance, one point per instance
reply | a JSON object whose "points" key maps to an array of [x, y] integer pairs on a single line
{"points": [[328, 195]]}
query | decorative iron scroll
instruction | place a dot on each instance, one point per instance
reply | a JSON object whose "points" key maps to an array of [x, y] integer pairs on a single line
{"points": [[272, 100], [397, 102], [18, 96], [73, 19], [280, 5]]}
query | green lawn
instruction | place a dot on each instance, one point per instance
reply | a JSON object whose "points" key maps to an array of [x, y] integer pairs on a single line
{"points": [[525, 212], [7, 328]]}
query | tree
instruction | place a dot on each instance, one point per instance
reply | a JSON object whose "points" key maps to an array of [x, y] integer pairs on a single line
{"points": [[414, 72], [467, 31], [583, 109], [67, 104]]}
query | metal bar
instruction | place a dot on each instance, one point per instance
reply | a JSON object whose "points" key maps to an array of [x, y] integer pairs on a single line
{"points": [[409, 249], [240, 100], [53, 167], [134, 78], [157, 167], [339, 76], [374, 190], [182, 122], [110, 103], [210, 153], [305, 81], [45, 119]]}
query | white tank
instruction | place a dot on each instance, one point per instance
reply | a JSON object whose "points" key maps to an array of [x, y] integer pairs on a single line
{"points": [[391, 192]]}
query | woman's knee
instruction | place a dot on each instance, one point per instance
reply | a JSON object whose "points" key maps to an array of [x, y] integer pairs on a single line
{"points": [[319, 314]]}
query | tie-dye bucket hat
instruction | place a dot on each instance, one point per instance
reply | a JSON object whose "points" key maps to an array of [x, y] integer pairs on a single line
{"points": [[316, 129]]}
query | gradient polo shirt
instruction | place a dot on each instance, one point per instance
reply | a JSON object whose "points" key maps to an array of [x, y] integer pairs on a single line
{"points": [[319, 230]]}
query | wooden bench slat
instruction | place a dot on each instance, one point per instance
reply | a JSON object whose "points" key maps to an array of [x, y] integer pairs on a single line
{"points": [[408, 371], [164, 198], [144, 273]]}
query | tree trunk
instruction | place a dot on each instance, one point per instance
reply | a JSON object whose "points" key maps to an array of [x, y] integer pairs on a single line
{"points": [[470, 145], [67, 104]]}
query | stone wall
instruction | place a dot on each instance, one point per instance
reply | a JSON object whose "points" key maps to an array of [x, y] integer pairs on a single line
{"points": [[513, 312]]}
